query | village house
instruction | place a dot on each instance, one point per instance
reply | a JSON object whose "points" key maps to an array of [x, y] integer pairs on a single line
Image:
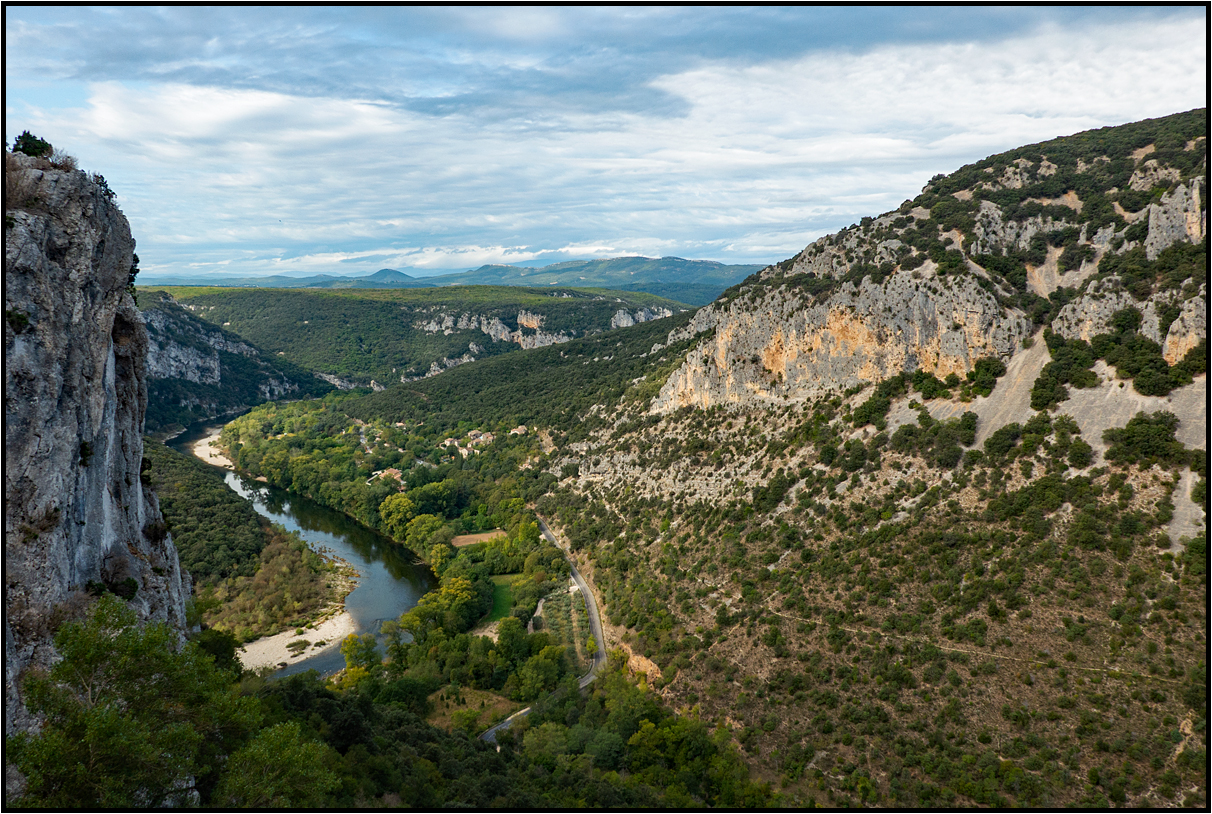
{"points": [[386, 473]]}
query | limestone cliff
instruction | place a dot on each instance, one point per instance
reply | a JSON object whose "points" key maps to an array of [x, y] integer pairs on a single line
{"points": [[625, 319], [75, 371], [496, 330], [777, 344], [1090, 315]]}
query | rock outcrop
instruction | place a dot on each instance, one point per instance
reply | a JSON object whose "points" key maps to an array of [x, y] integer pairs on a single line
{"points": [[1176, 217], [953, 276], [496, 330], [625, 319], [1090, 315], [75, 349]]}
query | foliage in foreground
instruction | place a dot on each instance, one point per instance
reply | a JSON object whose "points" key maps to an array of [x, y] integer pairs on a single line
{"points": [[133, 719]]}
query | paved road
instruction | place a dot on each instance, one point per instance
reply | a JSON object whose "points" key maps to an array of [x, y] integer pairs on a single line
{"points": [[591, 605], [595, 628]]}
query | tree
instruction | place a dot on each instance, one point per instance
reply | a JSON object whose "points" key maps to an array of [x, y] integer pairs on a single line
{"points": [[131, 720], [397, 510], [361, 651], [279, 768]]}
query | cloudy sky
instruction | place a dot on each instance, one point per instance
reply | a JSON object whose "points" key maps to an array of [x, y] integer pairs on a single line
{"points": [[340, 140]]}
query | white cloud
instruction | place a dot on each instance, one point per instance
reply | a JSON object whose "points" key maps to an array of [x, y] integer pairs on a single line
{"points": [[760, 160]]}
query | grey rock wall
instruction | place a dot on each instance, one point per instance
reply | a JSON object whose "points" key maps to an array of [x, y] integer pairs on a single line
{"points": [[496, 330], [1090, 315], [75, 375], [182, 346]]}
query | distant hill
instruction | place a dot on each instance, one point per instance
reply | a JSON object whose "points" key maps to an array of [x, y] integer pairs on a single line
{"points": [[694, 282], [374, 337]]}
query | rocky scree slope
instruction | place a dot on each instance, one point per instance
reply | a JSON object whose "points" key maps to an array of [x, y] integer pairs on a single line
{"points": [[968, 269], [197, 370], [77, 514]]}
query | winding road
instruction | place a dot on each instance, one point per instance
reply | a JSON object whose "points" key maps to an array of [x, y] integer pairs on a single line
{"points": [[595, 628]]}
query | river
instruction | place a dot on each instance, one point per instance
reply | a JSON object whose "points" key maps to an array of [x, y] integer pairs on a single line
{"points": [[390, 579]]}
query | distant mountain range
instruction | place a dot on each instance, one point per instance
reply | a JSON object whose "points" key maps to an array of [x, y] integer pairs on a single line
{"points": [[694, 282], [383, 278]]}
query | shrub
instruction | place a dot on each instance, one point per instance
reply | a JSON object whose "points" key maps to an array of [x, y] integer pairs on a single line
{"points": [[985, 374], [31, 145], [1146, 440]]}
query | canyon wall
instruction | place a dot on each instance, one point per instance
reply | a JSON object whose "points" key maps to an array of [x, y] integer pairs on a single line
{"points": [[77, 514]]}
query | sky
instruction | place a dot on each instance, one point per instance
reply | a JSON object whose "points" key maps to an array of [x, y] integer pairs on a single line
{"points": [[270, 140]]}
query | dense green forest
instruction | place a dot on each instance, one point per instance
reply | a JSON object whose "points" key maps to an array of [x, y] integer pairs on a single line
{"points": [[373, 333], [251, 578], [551, 387]]}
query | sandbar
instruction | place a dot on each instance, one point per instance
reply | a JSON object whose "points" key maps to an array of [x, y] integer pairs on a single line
{"points": [[272, 650], [207, 450]]}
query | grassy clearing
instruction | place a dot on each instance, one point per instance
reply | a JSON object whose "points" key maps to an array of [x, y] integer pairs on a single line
{"points": [[471, 539], [502, 597], [468, 710]]}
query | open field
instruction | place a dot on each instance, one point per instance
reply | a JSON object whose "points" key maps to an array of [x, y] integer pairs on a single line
{"points": [[471, 539], [467, 709], [502, 597]]}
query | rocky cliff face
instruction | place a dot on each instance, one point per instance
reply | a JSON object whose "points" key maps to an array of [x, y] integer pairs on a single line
{"points": [[183, 347], [625, 319], [777, 344], [496, 330], [1090, 315], [75, 392]]}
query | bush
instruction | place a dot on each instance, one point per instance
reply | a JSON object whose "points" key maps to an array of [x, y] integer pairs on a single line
{"points": [[985, 375], [1081, 454], [31, 145], [1146, 440], [1071, 363]]}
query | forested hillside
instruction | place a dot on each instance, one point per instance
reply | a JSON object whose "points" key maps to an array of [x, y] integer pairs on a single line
{"points": [[390, 335], [250, 578]]}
